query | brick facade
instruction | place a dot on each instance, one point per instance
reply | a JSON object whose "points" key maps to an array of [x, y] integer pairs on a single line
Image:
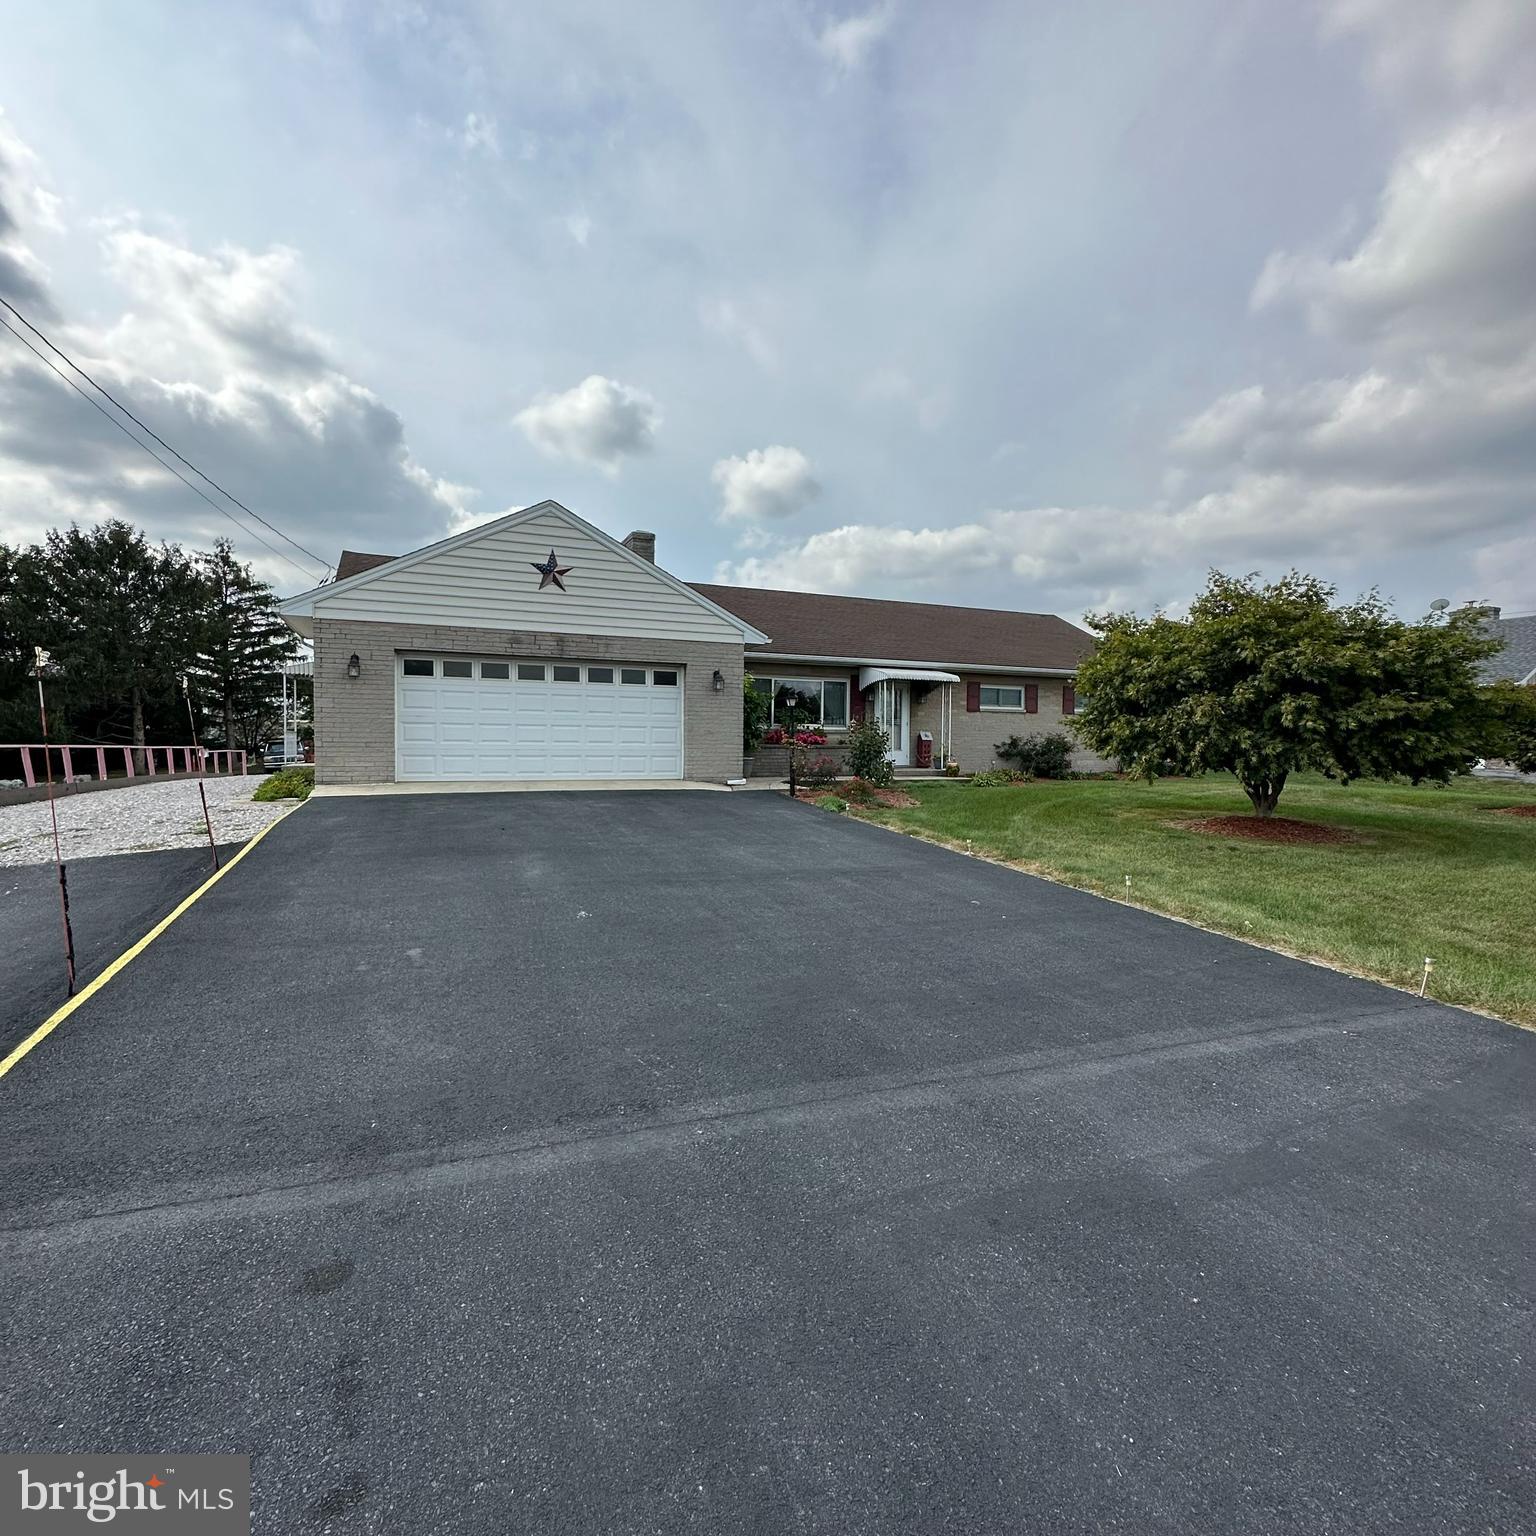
{"points": [[355, 717], [975, 735]]}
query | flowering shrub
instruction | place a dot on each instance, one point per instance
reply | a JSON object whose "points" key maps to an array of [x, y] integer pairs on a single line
{"points": [[822, 771], [810, 739], [774, 736]]}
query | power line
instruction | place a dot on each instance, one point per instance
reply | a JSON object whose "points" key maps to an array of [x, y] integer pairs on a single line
{"points": [[96, 405], [54, 347]]}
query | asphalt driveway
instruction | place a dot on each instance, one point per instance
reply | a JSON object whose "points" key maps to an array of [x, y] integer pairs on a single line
{"points": [[705, 1163]]}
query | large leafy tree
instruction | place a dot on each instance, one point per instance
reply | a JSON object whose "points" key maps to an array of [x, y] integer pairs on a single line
{"points": [[1263, 681], [1511, 724], [121, 617], [241, 645]]}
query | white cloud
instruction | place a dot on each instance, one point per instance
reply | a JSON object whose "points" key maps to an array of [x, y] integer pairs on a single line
{"points": [[847, 42], [598, 422], [1450, 263], [209, 351], [480, 135], [768, 483], [729, 318], [579, 227]]}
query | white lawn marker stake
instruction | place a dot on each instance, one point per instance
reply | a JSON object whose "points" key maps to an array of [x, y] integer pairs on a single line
{"points": [[1429, 965], [1127, 887]]}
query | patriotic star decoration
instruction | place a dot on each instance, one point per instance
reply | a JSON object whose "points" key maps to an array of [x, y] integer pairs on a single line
{"points": [[551, 571]]}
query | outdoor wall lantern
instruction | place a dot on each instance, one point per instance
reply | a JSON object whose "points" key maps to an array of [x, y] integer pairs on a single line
{"points": [[718, 681], [354, 666]]}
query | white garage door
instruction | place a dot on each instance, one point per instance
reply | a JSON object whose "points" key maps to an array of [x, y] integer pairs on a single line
{"points": [[462, 719]]}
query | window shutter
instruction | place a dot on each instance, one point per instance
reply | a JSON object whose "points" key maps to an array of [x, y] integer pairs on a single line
{"points": [[855, 699], [972, 698], [1031, 698], [1068, 699]]}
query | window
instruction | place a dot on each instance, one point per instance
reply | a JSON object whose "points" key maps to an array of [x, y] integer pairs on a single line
{"points": [[632, 675], [814, 700], [495, 671], [417, 666], [530, 672], [664, 679], [1002, 698], [599, 674], [458, 669], [567, 674]]}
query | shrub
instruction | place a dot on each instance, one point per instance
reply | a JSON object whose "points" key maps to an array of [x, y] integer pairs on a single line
{"points": [[830, 803], [818, 772], [287, 784], [994, 777], [1039, 757], [868, 744], [810, 739], [774, 736], [755, 707]]}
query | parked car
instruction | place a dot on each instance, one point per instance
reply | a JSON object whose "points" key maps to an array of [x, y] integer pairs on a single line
{"points": [[275, 756]]}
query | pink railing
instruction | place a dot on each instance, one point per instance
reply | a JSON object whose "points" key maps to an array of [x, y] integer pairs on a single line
{"points": [[218, 762]]}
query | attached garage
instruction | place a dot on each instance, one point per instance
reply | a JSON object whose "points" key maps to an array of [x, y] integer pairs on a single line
{"points": [[458, 717], [534, 647]]}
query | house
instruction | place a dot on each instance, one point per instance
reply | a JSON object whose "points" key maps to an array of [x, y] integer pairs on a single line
{"points": [[1516, 663], [538, 647]]}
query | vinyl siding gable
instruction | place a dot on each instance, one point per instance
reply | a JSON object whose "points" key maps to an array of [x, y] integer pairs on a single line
{"points": [[491, 583]]}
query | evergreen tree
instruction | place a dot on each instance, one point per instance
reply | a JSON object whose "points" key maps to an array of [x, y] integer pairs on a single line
{"points": [[241, 645]]}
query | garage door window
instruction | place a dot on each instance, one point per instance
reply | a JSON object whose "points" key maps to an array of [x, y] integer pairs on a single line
{"points": [[599, 674], [664, 679], [417, 666], [458, 669], [530, 672], [567, 674], [632, 676], [495, 671]]}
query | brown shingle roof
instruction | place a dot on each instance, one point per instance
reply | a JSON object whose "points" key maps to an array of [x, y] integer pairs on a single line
{"points": [[811, 624], [352, 563]]}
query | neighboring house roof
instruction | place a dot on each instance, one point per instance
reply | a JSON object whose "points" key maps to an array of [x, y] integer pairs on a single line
{"points": [[1517, 661], [354, 563], [879, 630]]}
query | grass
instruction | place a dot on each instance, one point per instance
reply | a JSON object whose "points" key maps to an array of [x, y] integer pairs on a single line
{"points": [[1434, 871]]}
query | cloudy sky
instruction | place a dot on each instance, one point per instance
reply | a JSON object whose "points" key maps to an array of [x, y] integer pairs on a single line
{"points": [[1019, 304]]}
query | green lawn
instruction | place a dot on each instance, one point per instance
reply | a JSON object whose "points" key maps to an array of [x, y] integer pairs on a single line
{"points": [[1436, 872]]}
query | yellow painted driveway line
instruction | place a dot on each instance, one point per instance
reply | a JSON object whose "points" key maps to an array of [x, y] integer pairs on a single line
{"points": [[56, 1018]]}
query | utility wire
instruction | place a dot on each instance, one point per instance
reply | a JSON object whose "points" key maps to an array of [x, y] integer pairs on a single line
{"points": [[102, 389], [171, 468]]}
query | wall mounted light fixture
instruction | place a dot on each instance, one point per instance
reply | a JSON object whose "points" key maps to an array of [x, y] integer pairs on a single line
{"points": [[718, 681], [354, 666]]}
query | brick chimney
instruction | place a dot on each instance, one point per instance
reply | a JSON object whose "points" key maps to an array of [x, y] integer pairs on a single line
{"points": [[643, 544]]}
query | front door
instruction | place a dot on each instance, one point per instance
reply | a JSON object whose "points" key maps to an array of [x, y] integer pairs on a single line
{"points": [[893, 713]]}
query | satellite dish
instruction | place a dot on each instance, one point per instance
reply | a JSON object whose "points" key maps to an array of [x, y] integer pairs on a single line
{"points": [[1439, 605]]}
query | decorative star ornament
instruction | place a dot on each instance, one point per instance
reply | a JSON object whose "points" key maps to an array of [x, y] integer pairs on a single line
{"points": [[551, 571]]}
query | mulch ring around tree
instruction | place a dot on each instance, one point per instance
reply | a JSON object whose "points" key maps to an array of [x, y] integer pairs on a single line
{"points": [[1272, 829], [1514, 810]]}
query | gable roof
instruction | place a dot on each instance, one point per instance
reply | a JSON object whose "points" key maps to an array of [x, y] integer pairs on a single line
{"points": [[878, 630], [1517, 661], [367, 569]]}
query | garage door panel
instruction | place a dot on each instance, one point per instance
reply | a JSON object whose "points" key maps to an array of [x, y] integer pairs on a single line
{"points": [[492, 727]]}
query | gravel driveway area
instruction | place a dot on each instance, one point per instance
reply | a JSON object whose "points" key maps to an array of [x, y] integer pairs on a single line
{"points": [[135, 819]]}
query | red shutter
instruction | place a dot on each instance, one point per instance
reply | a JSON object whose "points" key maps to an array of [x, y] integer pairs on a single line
{"points": [[972, 698], [855, 699], [1068, 699], [1031, 698]]}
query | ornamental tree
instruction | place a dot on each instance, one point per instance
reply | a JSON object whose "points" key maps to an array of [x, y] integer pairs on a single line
{"points": [[1266, 681]]}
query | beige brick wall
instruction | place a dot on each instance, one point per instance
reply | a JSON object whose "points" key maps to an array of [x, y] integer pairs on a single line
{"points": [[975, 735], [355, 717]]}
